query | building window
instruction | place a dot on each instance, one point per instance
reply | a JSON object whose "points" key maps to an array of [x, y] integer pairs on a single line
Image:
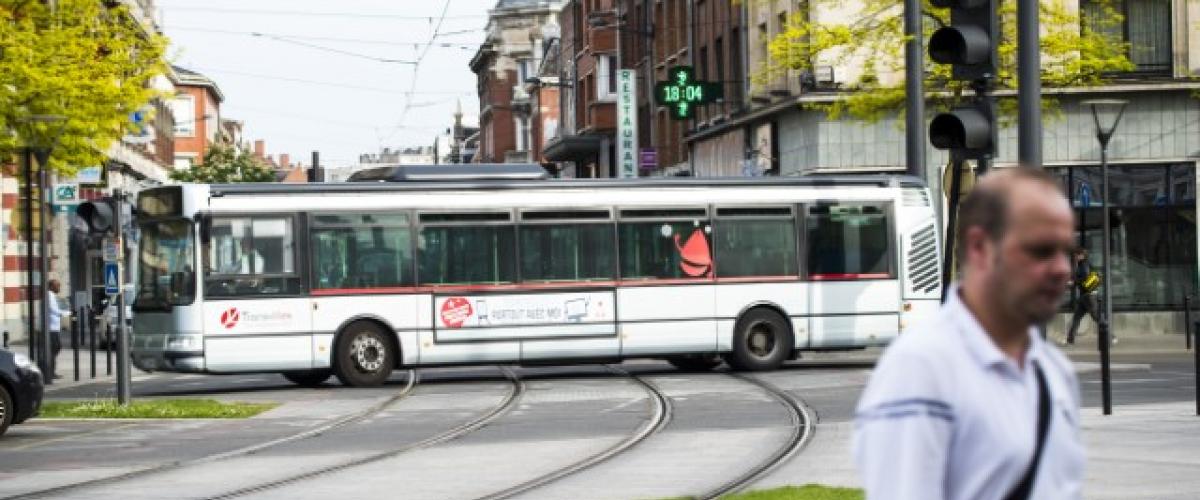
{"points": [[606, 69], [184, 109], [1146, 28], [521, 125], [524, 70], [184, 162], [1153, 224]]}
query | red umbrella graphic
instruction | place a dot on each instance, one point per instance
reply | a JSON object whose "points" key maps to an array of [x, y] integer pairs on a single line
{"points": [[695, 259]]}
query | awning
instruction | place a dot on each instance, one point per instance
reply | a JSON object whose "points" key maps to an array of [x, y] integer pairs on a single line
{"points": [[572, 148]]}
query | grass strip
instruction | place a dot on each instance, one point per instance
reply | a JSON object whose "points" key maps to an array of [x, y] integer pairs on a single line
{"points": [[806, 492], [154, 408]]}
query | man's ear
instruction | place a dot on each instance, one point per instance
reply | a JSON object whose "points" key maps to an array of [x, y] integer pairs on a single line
{"points": [[978, 245]]}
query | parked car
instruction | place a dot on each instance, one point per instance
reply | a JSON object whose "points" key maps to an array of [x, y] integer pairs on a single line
{"points": [[20, 389]]}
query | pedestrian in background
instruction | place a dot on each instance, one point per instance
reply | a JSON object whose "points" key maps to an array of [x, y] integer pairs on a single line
{"points": [[974, 404], [54, 316], [1086, 283]]}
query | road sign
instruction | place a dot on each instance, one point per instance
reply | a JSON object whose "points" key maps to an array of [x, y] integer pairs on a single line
{"points": [[66, 194], [110, 278], [112, 250]]}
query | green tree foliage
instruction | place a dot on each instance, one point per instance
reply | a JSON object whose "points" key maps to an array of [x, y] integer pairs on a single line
{"points": [[84, 60], [225, 164], [874, 40]]}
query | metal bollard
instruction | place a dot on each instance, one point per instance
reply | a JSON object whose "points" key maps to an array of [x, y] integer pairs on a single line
{"points": [[6, 339], [91, 328], [76, 333]]}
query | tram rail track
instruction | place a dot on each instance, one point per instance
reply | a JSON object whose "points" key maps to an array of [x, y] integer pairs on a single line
{"points": [[412, 380], [803, 427], [506, 404], [661, 415]]}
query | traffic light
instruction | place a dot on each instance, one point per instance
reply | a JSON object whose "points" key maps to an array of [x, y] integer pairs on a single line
{"points": [[98, 214], [969, 43]]}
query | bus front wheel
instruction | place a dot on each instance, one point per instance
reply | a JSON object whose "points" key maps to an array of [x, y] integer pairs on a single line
{"points": [[762, 340], [364, 357]]}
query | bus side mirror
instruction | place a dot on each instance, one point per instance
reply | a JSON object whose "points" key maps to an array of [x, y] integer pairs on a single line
{"points": [[205, 223]]}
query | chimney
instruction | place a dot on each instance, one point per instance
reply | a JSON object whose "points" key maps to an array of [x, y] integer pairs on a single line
{"points": [[260, 149], [283, 161]]}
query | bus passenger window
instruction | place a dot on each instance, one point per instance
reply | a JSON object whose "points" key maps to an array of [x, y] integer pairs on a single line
{"points": [[361, 251], [672, 247], [567, 252], [759, 242], [250, 256], [477, 249], [847, 242]]}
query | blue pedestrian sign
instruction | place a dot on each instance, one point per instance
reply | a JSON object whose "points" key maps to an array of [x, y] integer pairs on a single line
{"points": [[110, 278]]}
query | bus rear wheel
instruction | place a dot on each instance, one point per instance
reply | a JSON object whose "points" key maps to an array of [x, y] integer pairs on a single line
{"points": [[308, 378], [364, 357], [762, 340]]}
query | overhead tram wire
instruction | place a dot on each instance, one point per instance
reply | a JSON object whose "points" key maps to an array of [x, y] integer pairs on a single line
{"points": [[416, 74], [333, 50], [329, 84], [274, 12], [363, 41]]}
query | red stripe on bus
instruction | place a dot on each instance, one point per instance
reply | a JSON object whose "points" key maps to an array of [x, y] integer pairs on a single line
{"points": [[753, 279], [847, 276]]}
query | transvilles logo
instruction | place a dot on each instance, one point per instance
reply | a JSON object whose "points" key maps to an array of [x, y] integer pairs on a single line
{"points": [[230, 317]]}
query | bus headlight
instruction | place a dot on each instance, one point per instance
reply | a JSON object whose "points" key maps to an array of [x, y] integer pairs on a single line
{"points": [[183, 343]]}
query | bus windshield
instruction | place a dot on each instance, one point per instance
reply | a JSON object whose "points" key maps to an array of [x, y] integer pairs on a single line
{"points": [[166, 274]]}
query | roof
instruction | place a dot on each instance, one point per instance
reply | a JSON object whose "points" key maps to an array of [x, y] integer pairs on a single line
{"points": [[191, 78], [882, 180]]}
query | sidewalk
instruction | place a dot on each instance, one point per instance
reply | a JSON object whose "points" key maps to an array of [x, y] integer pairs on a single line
{"points": [[66, 367]]}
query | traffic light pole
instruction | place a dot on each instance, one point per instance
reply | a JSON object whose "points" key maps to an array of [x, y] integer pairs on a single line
{"points": [[914, 91], [1029, 85], [124, 394], [43, 271]]}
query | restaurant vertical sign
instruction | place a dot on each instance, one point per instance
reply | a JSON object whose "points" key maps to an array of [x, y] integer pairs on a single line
{"points": [[627, 118]]}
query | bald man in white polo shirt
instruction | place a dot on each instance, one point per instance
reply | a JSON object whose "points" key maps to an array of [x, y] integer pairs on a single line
{"points": [[974, 404]]}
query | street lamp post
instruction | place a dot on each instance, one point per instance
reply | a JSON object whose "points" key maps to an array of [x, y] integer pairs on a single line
{"points": [[1106, 113], [40, 133]]}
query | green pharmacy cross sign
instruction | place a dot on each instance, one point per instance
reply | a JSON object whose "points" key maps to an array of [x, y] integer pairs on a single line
{"points": [[682, 93]]}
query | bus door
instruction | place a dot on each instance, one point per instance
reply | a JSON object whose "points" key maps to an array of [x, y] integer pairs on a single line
{"points": [[256, 316], [850, 264]]}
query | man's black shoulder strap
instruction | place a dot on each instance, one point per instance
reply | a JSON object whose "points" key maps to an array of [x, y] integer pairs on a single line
{"points": [[1025, 487]]}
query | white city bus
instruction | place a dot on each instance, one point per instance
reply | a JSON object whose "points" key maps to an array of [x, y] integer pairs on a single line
{"points": [[443, 265]]}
